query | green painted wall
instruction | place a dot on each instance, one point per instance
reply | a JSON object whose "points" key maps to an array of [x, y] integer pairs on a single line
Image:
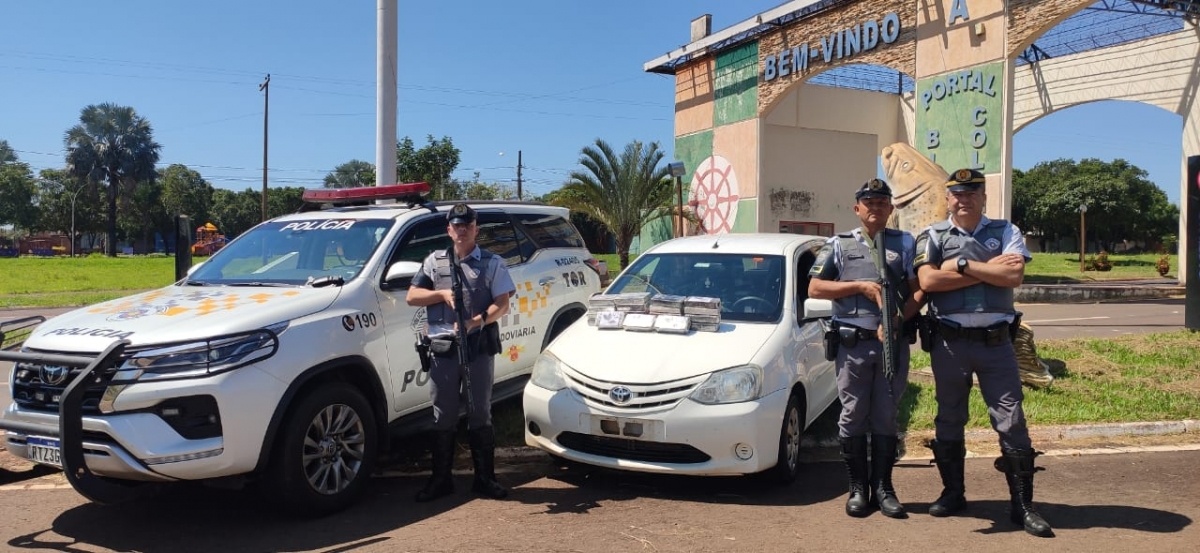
{"points": [[960, 118], [747, 216], [735, 85], [691, 150]]}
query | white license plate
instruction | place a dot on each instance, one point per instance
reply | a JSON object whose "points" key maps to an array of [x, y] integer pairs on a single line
{"points": [[637, 429], [45, 451]]}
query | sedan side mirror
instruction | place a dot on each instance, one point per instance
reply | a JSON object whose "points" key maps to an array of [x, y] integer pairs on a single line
{"points": [[400, 275], [817, 309]]}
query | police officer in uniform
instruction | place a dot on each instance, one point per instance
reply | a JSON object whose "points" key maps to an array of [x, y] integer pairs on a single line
{"points": [[487, 287], [969, 265], [846, 272]]}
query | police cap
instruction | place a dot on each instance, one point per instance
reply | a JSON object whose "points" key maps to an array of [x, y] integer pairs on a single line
{"points": [[874, 188], [965, 180], [461, 214]]}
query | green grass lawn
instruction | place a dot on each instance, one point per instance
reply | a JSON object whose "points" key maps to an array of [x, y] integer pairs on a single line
{"points": [[1050, 268]]}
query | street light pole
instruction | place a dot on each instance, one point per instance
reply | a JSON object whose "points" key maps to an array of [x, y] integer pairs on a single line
{"points": [[73, 196], [677, 169], [1082, 238]]}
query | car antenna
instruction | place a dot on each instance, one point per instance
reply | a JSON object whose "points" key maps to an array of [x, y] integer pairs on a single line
{"points": [[716, 243]]}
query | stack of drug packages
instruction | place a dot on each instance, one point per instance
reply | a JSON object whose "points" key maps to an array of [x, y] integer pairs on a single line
{"points": [[704, 314], [643, 312], [668, 312]]}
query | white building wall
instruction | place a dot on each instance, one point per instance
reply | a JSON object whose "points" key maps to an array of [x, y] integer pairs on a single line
{"points": [[813, 159]]}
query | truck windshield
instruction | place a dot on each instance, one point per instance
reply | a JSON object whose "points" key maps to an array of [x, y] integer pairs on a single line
{"points": [[295, 252]]}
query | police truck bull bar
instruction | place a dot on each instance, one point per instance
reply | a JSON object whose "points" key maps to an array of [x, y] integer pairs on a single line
{"points": [[70, 411]]}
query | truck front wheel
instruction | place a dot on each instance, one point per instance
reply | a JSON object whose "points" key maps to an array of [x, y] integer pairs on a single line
{"points": [[325, 452]]}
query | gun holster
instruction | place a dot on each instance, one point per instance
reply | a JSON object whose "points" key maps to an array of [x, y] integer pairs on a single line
{"points": [[911, 327], [422, 347], [926, 326], [1014, 326], [832, 341]]}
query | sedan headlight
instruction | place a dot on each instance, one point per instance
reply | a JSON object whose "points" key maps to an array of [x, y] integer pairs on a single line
{"points": [[547, 373], [730, 386], [202, 357]]}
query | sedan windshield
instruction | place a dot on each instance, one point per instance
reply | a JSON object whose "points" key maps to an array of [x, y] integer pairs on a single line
{"points": [[750, 287], [294, 253]]}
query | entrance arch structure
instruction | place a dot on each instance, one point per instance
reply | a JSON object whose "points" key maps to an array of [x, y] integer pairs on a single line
{"points": [[744, 100]]}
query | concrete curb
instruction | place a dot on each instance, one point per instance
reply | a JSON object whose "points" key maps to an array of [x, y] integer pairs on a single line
{"points": [[1066, 293]]}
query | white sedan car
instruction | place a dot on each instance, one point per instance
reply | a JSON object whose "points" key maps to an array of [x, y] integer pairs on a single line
{"points": [[729, 402]]}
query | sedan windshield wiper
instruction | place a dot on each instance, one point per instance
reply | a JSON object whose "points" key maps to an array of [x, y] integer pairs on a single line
{"points": [[196, 283], [265, 284]]}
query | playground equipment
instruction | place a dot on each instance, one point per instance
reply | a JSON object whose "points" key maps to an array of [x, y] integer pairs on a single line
{"points": [[208, 240]]}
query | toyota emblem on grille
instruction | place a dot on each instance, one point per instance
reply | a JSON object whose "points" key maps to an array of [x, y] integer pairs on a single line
{"points": [[54, 375], [620, 395]]}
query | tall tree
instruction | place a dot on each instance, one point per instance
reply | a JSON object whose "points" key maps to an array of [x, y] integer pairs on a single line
{"points": [[7, 154], [1122, 203], [433, 164], [18, 195], [236, 212], [185, 192], [114, 145], [479, 190], [352, 174], [623, 192], [69, 203], [143, 215]]}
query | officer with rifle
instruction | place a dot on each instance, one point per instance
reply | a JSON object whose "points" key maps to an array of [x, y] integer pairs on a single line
{"points": [[867, 272], [465, 291], [969, 265]]}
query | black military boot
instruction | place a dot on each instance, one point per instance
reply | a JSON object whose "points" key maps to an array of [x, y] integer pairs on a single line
{"points": [[1018, 469], [441, 483], [483, 455], [854, 452], [883, 458], [950, 457]]}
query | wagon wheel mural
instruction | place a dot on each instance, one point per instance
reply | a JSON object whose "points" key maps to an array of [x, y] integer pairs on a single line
{"points": [[714, 195]]}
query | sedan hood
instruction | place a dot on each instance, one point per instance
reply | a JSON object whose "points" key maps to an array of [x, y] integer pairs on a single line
{"points": [[650, 357], [175, 314]]}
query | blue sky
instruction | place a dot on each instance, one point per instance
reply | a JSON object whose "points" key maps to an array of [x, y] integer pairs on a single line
{"points": [[543, 77]]}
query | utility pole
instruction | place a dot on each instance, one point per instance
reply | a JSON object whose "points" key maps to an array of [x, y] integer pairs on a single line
{"points": [[266, 90], [385, 93], [519, 176]]}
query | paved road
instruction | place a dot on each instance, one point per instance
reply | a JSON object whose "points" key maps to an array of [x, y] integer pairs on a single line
{"points": [[1132, 501], [1097, 320]]}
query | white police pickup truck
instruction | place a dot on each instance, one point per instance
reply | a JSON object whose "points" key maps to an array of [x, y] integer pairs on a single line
{"points": [[284, 357]]}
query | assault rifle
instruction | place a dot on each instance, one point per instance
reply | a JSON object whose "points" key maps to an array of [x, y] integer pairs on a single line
{"points": [[460, 329], [888, 310]]}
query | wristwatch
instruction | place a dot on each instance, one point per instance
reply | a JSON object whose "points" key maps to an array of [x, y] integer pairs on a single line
{"points": [[962, 265]]}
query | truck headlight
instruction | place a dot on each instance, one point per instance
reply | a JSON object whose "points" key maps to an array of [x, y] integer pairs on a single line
{"points": [[547, 373], [730, 386], [202, 357]]}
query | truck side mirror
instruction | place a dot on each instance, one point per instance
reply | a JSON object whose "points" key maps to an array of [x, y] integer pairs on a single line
{"points": [[400, 274]]}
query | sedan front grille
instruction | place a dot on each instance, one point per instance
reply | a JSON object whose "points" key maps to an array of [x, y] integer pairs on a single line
{"points": [[632, 450], [641, 396]]}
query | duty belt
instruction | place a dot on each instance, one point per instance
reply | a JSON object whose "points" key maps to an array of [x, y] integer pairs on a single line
{"points": [[992, 335], [851, 335]]}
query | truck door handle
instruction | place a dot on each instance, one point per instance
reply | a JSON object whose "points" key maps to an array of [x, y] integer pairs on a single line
{"points": [[546, 280]]}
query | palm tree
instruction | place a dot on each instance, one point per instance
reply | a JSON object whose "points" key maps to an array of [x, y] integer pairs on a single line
{"points": [[112, 144], [352, 174], [622, 193]]}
